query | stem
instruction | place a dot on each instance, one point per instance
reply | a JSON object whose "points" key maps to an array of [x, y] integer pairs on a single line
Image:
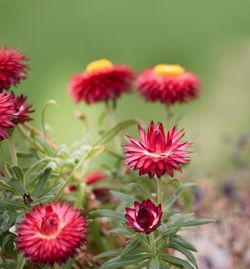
{"points": [[110, 112], [12, 150], [152, 241], [160, 191]]}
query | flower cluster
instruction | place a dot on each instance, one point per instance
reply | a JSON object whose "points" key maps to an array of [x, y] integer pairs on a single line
{"points": [[13, 109], [103, 81], [51, 230]]}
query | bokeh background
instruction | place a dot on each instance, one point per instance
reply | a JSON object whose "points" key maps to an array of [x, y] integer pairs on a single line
{"points": [[211, 38]]}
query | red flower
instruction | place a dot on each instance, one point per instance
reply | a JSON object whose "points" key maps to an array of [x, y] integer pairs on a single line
{"points": [[13, 110], [22, 110], [156, 152], [101, 81], [95, 176], [12, 68], [51, 233], [7, 111], [144, 217], [168, 84]]}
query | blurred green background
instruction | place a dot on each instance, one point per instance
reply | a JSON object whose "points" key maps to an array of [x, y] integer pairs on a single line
{"points": [[211, 38]]}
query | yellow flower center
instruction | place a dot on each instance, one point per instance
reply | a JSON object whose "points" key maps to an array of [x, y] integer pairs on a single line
{"points": [[99, 65], [169, 70]]}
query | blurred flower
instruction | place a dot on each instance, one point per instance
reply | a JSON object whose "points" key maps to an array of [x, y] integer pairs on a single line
{"points": [[101, 81], [94, 177], [168, 84], [12, 67], [51, 233], [70, 188], [22, 110], [13, 110], [157, 153], [144, 217], [7, 111]]}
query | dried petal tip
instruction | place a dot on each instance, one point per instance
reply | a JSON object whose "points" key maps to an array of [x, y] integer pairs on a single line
{"points": [[157, 152], [12, 68], [101, 81], [51, 233], [168, 84], [145, 217]]}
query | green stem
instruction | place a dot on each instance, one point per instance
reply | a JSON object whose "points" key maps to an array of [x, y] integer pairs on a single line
{"points": [[25, 135], [12, 150], [110, 112], [152, 241], [160, 191]]}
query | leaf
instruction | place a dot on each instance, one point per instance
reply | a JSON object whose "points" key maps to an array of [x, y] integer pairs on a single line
{"points": [[177, 261], [132, 245], [18, 172], [95, 151], [170, 201], [107, 136], [42, 141], [121, 230], [198, 222], [124, 197], [17, 186], [118, 262], [110, 253], [4, 186], [107, 213], [154, 264], [182, 242], [43, 178], [185, 252]]}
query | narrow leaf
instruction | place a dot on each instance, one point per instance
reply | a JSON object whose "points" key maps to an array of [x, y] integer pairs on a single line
{"points": [[107, 136], [43, 178], [107, 213], [154, 264], [133, 244], [124, 197]]}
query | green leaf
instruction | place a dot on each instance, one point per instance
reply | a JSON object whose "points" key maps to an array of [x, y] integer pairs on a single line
{"points": [[107, 213], [182, 242], [121, 230], [42, 180], [171, 200], [17, 186], [198, 222], [95, 151], [13, 204], [185, 252], [177, 261], [18, 172], [154, 264], [42, 141], [131, 246], [124, 197], [110, 253], [119, 262], [5, 186], [107, 136]]}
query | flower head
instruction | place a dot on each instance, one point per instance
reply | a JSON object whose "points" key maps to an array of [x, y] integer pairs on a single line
{"points": [[13, 110], [7, 112], [144, 217], [168, 84], [51, 233], [95, 176], [101, 81], [12, 68], [157, 152]]}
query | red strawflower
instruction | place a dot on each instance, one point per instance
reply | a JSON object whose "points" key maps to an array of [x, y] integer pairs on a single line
{"points": [[157, 153], [22, 110], [7, 111], [101, 81], [168, 84], [51, 233], [94, 177], [12, 68], [145, 217]]}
